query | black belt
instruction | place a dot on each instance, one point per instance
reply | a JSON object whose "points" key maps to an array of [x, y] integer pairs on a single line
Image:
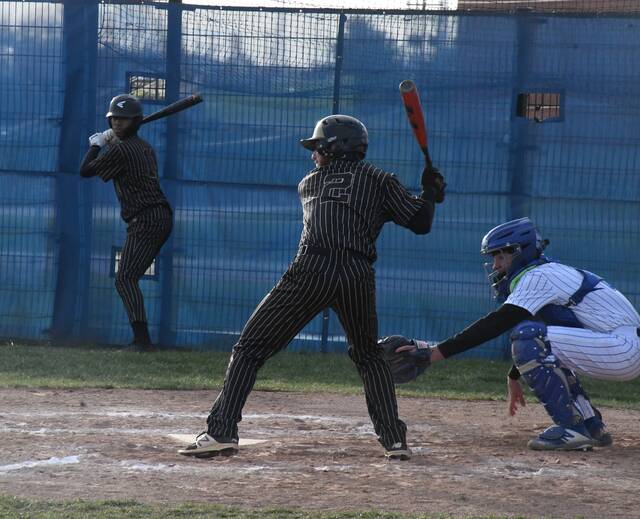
{"points": [[638, 332], [142, 212], [322, 251]]}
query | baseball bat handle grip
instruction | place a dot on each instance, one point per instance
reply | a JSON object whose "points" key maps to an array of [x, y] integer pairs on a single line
{"points": [[427, 157]]}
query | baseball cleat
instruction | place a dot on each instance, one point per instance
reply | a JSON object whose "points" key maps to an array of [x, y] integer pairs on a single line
{"points": [[602, 439], [557, 438], [598, 431], [398, 451], [207, 446]]}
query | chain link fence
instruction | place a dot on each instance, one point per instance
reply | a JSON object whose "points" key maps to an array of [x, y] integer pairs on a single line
{"points": [[533, 115]]}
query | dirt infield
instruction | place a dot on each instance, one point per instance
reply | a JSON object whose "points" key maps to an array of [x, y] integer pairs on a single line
{"points": [[469, 457]]}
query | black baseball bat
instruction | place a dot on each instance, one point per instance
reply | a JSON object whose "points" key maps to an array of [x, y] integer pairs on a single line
{"points": [[178, 106]]}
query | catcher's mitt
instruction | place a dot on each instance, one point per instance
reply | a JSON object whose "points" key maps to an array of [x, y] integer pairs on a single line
{"points": [[405, 365]]}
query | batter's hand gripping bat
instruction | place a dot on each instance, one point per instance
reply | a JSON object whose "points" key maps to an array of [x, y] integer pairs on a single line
{"points": [[178, 106], [411, 101]]}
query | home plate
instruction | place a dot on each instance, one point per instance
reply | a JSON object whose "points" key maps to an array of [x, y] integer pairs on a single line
{"points": [[190, 438]]}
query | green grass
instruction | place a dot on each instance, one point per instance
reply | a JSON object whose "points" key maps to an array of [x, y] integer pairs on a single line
{"points": [[11, 507], [67, 368]]}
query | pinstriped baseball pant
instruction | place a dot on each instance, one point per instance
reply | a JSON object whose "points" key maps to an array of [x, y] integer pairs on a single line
{"points": [[146, 234], [311, 284]]}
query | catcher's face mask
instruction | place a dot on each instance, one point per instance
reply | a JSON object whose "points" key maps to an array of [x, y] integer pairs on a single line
{"points": [[499, 268]]}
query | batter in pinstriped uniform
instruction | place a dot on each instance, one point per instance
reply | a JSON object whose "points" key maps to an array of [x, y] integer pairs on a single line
{"points": [[130, 163], [564, 322], [345, 202]]}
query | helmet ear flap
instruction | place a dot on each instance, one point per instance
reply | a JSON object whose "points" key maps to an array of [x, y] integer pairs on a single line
{"points": [[136, 123], [327, 147]]}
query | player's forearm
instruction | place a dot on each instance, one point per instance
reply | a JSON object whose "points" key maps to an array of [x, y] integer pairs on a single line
{"points": [[422, 220], [86, 170], [428, 193], [489, 327]]}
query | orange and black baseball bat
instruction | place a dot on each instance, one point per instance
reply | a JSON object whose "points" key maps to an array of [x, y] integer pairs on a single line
{"points": [[178, 106], [415, 114]]}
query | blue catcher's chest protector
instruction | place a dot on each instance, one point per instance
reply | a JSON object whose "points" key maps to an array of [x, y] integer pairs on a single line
{"points": [[562, 315]]}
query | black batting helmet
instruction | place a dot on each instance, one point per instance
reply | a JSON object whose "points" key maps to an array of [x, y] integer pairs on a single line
{"points": [[339, 136], [125, 105]]}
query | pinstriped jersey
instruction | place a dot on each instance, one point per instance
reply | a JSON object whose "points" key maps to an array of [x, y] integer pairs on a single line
{"points": [[346, 203], [131, 164], [601, 310]]}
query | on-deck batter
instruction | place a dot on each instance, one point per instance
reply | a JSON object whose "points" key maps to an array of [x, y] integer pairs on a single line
{"points": [[118, 154]]}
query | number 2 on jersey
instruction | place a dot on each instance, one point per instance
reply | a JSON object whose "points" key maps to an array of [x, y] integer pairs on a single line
{"points": [[337, 188]]}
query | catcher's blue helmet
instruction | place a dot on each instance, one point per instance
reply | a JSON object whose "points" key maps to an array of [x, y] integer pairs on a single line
{"points": [[519, 237]]}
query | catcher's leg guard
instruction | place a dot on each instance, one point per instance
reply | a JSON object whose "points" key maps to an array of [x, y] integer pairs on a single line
{"points": [[592, 417], [598, 430], [539, 368], [579, 395]]}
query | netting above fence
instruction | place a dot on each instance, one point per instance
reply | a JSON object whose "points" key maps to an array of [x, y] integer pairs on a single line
{"points": [[545, 6], [549, 6]]}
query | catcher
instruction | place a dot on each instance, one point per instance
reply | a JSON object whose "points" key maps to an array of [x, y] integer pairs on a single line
{"points": [[564, 321]]}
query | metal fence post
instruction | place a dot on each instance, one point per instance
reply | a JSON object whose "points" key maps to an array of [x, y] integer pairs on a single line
{"points": [[73, 219], [519, 179], [336, 109], [337, 78], [167, 333]]}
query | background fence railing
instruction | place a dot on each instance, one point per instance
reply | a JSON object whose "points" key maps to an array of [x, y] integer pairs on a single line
{"points": [[547, 6], [529, 113]]}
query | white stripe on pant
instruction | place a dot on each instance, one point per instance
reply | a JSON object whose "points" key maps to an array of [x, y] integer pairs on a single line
{"points": [[611, 355], [145, 236], [311, 284]]}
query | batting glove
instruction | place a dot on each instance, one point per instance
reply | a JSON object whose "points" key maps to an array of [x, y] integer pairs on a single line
{"points": [[433, 179], [109, 136], [102, 138], [97, 139]]}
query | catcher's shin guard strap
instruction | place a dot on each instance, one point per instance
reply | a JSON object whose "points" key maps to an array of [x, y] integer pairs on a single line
{"points": [[539, 368], [580, 397]]}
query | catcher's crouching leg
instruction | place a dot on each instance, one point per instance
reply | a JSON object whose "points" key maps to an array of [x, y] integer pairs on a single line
{"points": [[539, 368], [592, 417]]}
